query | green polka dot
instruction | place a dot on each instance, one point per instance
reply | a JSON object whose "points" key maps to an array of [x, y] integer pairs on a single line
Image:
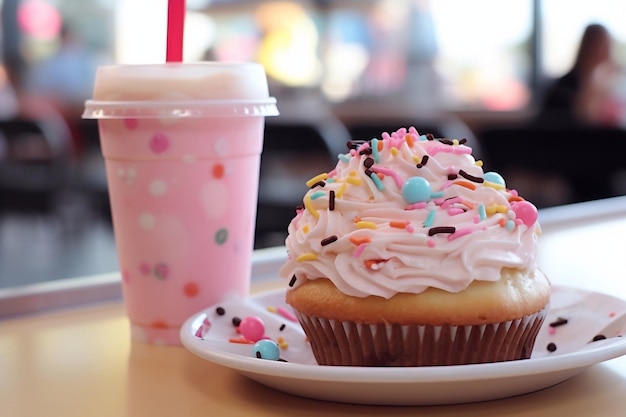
{"points": [[221, 236]]}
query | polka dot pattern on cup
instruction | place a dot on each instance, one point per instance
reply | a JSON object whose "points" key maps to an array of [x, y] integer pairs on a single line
{"points": [[158, 203], [218, 170], [159, 324], [221, 147], [146, 221], [131, 123], [159, 143], [127, 175], [158, 188], [221, 236], [191, 289], [144, 268], [161, 271]]}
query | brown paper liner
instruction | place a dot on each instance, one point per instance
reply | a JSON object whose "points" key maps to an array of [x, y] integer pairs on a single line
{"points": [[355, 344]]}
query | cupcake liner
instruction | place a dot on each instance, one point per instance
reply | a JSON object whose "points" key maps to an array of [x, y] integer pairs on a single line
{"points": [[337, 342]]}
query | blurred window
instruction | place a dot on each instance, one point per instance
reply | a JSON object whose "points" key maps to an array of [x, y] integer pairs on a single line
{"points": [[425, 51], [485, 52], [563, 25], [459, 54], [453, 53]]}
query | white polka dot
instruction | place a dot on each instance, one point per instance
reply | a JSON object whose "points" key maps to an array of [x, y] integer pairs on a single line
{"points": [[146, 221], [228, 170], [214, 198], [221, 147], [168, 120], [158, 188], [127, 175], [137, 333]]}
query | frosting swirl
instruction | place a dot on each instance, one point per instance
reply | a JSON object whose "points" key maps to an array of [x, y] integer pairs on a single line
{"points": [[405, 213]]}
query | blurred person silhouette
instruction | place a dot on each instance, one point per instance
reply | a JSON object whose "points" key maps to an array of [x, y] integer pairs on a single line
{"points": [[584, 94], [64, 80]]}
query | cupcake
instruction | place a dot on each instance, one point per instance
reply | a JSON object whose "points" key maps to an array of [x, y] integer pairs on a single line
{"points": [[408, 254]]}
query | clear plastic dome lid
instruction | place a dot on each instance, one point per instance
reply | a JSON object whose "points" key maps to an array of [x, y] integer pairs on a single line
{"points": [[209, 89]]}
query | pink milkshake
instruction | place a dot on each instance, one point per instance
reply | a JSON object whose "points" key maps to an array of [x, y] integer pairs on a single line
{"points": [[182, 145]]}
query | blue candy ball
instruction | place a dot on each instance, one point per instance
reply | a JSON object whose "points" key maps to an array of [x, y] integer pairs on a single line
{"points": [[494, 178], [266, 349], [416, 190]]}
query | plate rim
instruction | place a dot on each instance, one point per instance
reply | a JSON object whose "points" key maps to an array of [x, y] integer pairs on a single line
{"points": [[589, 355]]}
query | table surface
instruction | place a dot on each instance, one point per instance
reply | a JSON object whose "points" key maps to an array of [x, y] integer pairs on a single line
{"points": [[79, 361]]}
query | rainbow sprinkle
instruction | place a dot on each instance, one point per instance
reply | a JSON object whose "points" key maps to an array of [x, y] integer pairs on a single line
{"points": [[306, 257], [316, 179], [366, 225], [309, 207]]}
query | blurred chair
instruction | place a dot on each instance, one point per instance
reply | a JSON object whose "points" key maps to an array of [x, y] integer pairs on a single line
{"points": [[91, 170], [553, 165], [294, 151], [35, 165]]}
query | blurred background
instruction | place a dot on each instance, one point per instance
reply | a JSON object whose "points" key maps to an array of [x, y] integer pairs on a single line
{"points": [[490, 71]]}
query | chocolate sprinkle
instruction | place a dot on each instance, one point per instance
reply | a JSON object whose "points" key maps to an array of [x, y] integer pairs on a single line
{"points": [[292, 281], [430, 136], [220, 311], [551, 347], [443, 229], [300, 207], [258, 355], [463, 141], [331, 200], [366, 151], [236, 321], [282, 327], [423, 161], [368, 162], [353, 144], [560, 321], [319, 184], [598, 337], [329, 240], [452, 177], [446, 141], [470, 177]]}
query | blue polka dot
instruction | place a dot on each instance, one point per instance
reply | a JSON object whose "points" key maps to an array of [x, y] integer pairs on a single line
{"points": [[221, 236], [494, 178], [416, 189]]}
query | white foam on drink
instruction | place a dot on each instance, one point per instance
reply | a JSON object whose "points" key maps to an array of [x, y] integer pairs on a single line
{"points": [[181, 82]]}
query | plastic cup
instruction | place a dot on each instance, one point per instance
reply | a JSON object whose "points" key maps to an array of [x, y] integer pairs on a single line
{"points": [[182, 145]]}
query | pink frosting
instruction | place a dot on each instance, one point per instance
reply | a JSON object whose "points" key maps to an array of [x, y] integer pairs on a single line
{"points": [[430, 218]]}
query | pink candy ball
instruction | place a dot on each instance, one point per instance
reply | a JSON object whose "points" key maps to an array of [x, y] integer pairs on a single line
{"points": [[252, 328], [526, 212]]}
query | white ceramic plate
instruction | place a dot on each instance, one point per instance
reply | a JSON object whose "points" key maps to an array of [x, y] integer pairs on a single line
{"points": [[588, 313]]}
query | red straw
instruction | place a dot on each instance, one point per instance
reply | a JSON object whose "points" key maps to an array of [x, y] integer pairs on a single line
{"points": [[175, 29]]}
